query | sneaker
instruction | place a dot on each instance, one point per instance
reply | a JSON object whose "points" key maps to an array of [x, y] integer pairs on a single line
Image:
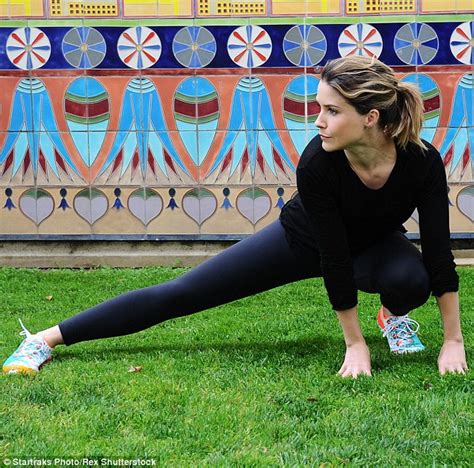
{"points": [[30, 356], [400, 333]]}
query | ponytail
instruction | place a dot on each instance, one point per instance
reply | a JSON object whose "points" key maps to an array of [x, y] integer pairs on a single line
{"points": [[405, 128]]}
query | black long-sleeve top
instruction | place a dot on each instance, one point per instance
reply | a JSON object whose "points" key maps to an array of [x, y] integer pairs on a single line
{"points": [[336, 215]]}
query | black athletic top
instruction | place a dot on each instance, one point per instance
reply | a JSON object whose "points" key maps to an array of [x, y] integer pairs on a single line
{"points": [[335, 215]]}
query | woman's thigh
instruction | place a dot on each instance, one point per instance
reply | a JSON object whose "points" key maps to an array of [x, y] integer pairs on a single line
{"points": [[258, 263], [262, 261]]}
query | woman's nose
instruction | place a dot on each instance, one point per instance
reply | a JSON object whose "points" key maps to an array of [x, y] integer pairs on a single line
{"points": [[319, 121]]}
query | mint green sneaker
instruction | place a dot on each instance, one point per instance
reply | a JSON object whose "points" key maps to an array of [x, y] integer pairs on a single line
{"points": [[400, 333], [30, 356]]}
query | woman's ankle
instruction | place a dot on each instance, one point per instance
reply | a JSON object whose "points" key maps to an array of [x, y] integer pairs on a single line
{"points": [[52, 336]]}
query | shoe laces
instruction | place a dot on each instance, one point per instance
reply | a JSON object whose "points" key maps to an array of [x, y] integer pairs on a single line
{"points": [[25, 331], [31, 346], [401, 328]]}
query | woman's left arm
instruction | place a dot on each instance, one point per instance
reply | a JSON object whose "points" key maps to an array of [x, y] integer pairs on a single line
{"points": [[433, 208], [452, 357]]}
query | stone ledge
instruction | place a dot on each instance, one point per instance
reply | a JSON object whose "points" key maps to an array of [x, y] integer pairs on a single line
{"points": [[87, 254], [37, 254]]}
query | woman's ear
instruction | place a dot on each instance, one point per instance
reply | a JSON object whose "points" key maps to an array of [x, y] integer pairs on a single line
{"points": [[371, 118]]}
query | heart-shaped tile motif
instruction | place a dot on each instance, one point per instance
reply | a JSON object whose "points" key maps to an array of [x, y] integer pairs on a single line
{"points": [[145, 204], [465, 201], [199, 204], [91, 204], [254, 204], [36, 204]]}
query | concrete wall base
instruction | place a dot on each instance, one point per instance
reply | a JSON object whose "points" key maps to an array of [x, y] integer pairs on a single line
{"points": [[92, 254]]}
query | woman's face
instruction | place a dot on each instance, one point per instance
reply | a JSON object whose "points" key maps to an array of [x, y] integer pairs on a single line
{"points": [[340, 125]]}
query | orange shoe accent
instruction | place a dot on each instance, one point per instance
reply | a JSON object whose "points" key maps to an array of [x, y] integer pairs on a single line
{"points": [[381, 318]]}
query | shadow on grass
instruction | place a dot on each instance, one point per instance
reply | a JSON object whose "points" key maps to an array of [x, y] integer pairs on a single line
{"points": [[324, 348], [303, 347]]}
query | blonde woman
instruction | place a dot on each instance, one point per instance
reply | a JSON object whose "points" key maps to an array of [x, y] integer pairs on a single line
{"points": [[359, 180]]}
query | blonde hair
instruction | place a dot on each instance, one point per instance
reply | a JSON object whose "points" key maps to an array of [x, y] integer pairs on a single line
{"points": [[367, 83]]}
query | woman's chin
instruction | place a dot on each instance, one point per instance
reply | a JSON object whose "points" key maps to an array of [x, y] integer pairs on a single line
{"points": [[328, 145]]}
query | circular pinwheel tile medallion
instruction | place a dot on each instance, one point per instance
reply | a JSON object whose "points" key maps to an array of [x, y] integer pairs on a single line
{"points": [[462, 42], [360, 39], [416, 43], [28, 48], [304, 45], [194, 47], [84, 47], [249, 46], [139, 47]]}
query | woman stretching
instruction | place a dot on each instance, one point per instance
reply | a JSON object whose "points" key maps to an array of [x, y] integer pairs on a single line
{"points": [[358, 181]]}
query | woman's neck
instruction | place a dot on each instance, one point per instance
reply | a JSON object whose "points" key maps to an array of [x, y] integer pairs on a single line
{"points": [[371, 154]]}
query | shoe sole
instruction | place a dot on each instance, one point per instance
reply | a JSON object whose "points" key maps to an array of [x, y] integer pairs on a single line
{"points": [[409, 351], [23, 369], [18, 370]]}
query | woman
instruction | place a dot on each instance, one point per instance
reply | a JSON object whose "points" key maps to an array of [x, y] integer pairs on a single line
{"points": [[359, 180]]}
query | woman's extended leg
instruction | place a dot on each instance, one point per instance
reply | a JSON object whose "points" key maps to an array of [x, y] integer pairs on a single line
{"points": [[258, 263]]}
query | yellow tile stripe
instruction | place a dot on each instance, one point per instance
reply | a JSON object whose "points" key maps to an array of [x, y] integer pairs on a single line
{"points": [[21, 7], [141, 2]]}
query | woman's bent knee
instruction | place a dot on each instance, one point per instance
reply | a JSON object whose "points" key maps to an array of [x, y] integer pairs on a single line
{"points": [[407, 290]]}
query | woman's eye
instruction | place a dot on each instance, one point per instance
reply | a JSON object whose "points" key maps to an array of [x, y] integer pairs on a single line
{"points": [[332, 111]]}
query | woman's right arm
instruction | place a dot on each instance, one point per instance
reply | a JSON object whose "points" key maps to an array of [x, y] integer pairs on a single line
{"points": [[357, 359], [318, 187], [317, 191]]}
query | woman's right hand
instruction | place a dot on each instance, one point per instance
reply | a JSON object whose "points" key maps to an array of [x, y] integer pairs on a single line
{"points": [[356, 361]]}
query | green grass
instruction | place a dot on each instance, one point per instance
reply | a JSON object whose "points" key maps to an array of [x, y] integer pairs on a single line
{"points": [[252, 383]]}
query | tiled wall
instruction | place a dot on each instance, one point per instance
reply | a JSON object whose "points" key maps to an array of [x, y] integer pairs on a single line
{"points": [[129, 119]]}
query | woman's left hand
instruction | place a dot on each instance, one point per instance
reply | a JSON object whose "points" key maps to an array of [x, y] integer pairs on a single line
{"points": [[452, 358]]}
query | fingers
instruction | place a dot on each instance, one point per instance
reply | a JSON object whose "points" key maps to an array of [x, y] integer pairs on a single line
{"points": [[456, 368], [451, 371], [348, 371], [342, 370], [452, 358]]}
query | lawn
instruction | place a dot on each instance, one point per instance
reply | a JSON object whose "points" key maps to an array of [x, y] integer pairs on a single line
{"points": [[252, 383]]}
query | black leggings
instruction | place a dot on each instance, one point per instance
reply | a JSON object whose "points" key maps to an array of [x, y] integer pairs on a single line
{"points": [[392, 268]]}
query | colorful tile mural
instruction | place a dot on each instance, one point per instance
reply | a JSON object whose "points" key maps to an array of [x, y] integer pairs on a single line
{"points": [[149, 119]]}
